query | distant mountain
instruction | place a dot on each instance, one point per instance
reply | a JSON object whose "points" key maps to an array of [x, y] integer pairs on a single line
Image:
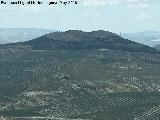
{"points": [[76, 75], [12, 35], [150, 38], [157, 47], [75, 40]]}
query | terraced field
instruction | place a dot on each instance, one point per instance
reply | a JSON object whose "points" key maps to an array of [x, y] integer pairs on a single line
{"points": [[86, 84]]}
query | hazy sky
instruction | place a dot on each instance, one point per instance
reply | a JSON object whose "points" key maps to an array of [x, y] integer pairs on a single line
{"points": [[112, 15]]}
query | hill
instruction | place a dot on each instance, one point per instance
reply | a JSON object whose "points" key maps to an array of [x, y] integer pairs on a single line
{"points": [[78, 75], [76, 40]]}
